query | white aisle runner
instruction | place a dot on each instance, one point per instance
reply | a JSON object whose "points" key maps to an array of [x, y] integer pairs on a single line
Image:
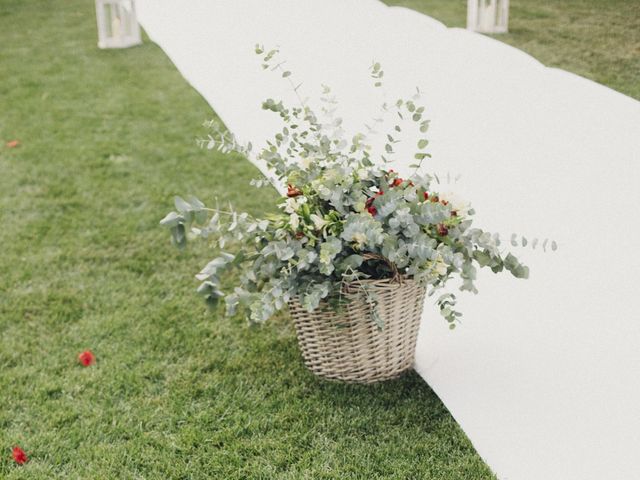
{"points": [[544, 374]]}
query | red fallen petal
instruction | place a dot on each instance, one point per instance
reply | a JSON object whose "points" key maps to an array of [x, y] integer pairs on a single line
{"points": [[87, 358], [396, 182], [13, 143], [442, 230], [426, 196], [372, 210], [19, 456]]}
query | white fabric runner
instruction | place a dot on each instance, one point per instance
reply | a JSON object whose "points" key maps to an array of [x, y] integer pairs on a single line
{"points": [[544, 374]]}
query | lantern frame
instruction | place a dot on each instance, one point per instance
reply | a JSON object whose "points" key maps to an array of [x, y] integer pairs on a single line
{"points": [[488, 16], [117, 24]]}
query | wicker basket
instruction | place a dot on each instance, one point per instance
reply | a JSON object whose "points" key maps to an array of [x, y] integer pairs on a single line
{"points": [[349, 346]]}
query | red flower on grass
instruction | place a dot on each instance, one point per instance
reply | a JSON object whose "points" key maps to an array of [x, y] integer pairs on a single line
{"points": [[86, 358], [13, 143], [19, 456]]}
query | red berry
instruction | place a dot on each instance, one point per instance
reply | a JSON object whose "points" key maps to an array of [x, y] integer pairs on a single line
{"points": [[396, 182], [293, 191], [369, 203], [426, 196]]}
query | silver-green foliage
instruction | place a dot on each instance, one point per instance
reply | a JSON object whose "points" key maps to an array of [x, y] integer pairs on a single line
{"points": [[345, 217]]}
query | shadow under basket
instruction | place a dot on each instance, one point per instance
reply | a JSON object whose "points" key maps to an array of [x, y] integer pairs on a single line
{"points": [[348, 345]]}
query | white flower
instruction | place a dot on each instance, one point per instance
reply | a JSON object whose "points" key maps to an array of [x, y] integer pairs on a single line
{"points": [[291, 205], [294, 221], [440, 267], [306, 162], [457, 204], [360, 239], [318, 221]]}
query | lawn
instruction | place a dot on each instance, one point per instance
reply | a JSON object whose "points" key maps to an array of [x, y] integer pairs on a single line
{"points": [[597, 39], [107, 139], [177, 392]]}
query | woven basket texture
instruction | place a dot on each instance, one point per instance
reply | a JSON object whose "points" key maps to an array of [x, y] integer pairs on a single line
{"points": [[347, 345]]}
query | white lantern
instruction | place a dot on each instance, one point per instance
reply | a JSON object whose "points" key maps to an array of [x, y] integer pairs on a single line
{"points": [[117, 24], [488, 16]]}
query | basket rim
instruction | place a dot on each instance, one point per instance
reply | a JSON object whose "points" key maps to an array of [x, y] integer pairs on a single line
{"points": [[352, 287], [383, 281]]}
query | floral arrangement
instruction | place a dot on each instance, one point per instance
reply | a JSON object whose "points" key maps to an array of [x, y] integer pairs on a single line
{"points": [[345, 216]]}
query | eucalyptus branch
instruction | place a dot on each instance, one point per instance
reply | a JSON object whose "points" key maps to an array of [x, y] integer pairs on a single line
{"points": [[343, 220]]}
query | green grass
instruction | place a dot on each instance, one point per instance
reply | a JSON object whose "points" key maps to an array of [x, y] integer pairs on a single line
{"points": [[598, 39], [177, 392]]}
